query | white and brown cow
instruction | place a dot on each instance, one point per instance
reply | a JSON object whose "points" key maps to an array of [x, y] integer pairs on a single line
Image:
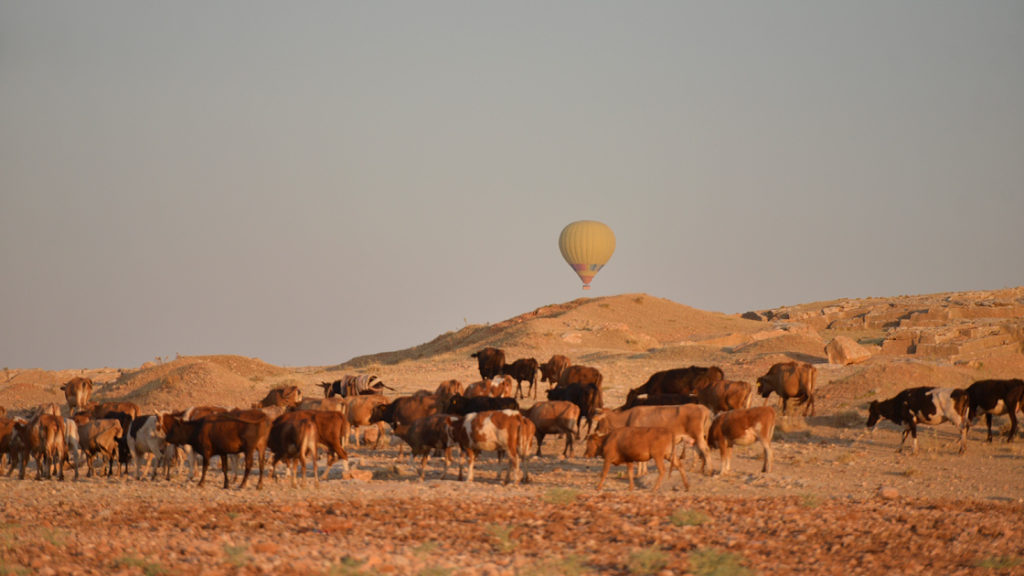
{"points": [[632, 444], [790, 380], [505, 431], [921, 405], [147, 441], [77, 392], [740, 428]]}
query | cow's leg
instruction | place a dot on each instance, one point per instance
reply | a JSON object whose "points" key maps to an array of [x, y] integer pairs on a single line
{"points": [[726, 449], [988, 422], [604, 472], [678, 466], [1012, 410], [567, 452], [768, 455], [471, 458], [224, 466], [629, 473], [261, 454], [660, 463], [206, 464], [540, 440]]}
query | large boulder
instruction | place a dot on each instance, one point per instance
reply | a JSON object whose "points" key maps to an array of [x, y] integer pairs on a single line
{"points": [[843, 350]]}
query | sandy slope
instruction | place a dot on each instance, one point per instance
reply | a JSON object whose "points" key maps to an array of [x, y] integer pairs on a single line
{"points": [[838, 501]]}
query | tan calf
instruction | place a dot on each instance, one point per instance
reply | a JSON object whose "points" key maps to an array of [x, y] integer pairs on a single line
{"points": [[689, 424], [743, 427], [630, 445]]}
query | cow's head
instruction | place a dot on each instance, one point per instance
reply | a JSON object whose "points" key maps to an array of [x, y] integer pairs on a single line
{"points": [[874, 413], [455, 404], [764, 386], [595, 444]]}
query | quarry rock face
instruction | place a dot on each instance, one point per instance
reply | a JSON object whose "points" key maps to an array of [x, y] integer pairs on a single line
{"points": [[843, 350]]}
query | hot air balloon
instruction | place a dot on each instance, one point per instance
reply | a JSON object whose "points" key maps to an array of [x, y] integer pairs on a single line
{"points": [[586, 245]]}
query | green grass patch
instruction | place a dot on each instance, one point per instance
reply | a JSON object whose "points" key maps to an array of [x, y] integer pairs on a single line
{"points": [[571, 565], [148, 568], [715, 562], [237, 555], [649, 560], [686, 517], [501, 538], [998, 562], [561, 496]]}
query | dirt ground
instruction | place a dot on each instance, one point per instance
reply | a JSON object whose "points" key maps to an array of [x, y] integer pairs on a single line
{"points": [[839, 500]]}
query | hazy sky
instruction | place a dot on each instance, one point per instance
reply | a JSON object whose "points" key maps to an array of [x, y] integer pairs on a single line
{"points": [[306, 182]]}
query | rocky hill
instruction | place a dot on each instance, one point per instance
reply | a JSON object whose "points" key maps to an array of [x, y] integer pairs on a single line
{"points": [[891, 343]]}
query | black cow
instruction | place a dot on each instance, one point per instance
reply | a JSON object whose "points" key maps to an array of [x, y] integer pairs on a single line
{"points": [[490, 360], [660, 400], [587, 397], [995, 397], [677, 381], [523, 369], [460, 405]]}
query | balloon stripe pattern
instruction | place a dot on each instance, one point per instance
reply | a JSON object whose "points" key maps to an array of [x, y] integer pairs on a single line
{"points": [[586, 245]]}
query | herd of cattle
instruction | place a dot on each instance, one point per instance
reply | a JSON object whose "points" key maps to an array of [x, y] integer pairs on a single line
{"points": [[693, 406]]}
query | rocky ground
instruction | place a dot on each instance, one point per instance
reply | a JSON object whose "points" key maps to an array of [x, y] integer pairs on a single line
{"points": [[839, 500]]}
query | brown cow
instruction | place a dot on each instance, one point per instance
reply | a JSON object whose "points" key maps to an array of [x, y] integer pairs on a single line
{"points": [[790, 380], [505, 431], [428, 434], [100, 438], [676, 381], [689, 424], [491, 361], [332, 430], [293, 440], [223, 435], [330, 404], [104, 409], [286, 396], [743, 427], [630, 445], [582, 375], [77, 392], [551, 371], [447, 389], [554, 417], [6, 435], [43, 437], [723, 395], [360, 412]]}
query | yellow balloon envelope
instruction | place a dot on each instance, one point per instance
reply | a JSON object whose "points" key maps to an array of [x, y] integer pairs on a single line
{"points": [[586, 245]]}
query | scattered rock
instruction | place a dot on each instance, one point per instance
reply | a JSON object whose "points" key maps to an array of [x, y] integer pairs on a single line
{"points": [[888, 493], [843, 350]]}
